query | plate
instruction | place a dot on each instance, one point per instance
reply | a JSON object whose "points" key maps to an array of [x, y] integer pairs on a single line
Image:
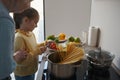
{"points": [[62, 41]]}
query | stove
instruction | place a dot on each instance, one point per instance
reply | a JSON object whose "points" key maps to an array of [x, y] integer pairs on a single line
{"points": [[90, 74]]}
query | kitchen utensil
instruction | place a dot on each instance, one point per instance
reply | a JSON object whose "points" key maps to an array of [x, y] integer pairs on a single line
{"points": [[63, 71]]}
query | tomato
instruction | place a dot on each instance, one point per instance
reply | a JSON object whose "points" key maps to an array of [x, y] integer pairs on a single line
{"points": [[52, 45]]}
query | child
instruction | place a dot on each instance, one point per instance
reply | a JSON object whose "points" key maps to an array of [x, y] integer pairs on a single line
{"points": [[25, 39]]}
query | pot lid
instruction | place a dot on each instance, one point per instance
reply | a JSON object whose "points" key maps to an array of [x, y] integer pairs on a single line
{"points": [[99, 55]]}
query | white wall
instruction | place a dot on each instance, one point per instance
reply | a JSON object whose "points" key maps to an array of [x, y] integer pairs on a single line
{"points": [[106, 15], [73, 16], [68, 16]]}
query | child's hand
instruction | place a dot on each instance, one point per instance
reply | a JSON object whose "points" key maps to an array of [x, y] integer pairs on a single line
{"points": [[51, 45], [20, 55], [43, 48]]}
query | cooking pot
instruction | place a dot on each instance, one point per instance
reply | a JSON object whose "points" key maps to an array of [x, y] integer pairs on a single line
{"points": [[64, 71], [100, 59]]}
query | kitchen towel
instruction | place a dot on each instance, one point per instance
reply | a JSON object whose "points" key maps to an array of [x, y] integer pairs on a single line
{"points": [[92, 36]]}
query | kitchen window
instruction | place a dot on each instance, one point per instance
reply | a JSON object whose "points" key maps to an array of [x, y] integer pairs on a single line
{"points": [[39, 30]]}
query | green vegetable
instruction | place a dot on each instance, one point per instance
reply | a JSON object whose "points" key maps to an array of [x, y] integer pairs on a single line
{"points": [[51, 37], [77, 40], [56, 40], [71, 39]]}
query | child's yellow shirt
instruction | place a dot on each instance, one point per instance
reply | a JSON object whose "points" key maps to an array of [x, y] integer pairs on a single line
{"points": [[28, 42]]}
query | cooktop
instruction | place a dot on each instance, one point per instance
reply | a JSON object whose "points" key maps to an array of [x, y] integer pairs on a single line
{"points": [[91, 74]]}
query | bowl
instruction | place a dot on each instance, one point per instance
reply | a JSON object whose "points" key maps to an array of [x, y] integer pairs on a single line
{"points": [[100, 60]]}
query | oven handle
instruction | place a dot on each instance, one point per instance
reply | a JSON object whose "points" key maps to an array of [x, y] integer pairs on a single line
{"points": [[41, 68]]}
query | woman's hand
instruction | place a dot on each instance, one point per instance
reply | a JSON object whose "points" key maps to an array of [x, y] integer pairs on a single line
{"points": [[20, 55]]}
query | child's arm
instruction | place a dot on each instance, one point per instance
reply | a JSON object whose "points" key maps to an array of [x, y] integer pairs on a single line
{"points": [[19, 49], [20, 55]]}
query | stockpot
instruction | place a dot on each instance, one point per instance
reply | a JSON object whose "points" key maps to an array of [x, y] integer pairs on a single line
{"points": [[64, 70]]}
